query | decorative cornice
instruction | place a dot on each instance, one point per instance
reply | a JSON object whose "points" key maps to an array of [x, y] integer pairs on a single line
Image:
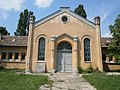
{"points": [[53, 38], [75, 38], [65, 34], [97, 20], [32, 19]]}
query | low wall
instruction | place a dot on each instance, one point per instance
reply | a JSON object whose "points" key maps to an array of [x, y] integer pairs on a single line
{"points": [[111, 67], [13, 65]]}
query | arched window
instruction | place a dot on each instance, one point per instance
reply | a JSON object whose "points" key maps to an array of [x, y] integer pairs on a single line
{"points": [[64, 46], [41, 49], [87, 55]]}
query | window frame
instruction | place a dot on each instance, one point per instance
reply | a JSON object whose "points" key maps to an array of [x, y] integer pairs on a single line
{"points": [[40, 52], [64, 19], [87, 50], [17, 56], [23, 59], [10, 54], [5, 56]]}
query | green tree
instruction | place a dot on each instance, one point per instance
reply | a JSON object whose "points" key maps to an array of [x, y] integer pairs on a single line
{"points": [[80, 11], [3, 30], [114, 46], [23, 23]]}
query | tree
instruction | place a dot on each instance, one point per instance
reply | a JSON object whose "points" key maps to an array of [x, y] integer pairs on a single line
{"points": [[3, 30], [80, 11], [114, 46], [23, 23]]}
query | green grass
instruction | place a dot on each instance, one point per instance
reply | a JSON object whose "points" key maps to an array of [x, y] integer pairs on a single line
{"points": [[9, 80], [104, 82]]}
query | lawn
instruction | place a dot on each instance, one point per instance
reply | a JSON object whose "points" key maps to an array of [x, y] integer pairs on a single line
{"points": [[9, 80], [104, 82]]}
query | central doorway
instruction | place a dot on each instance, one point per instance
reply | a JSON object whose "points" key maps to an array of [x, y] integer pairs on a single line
{"points": [[64, 57]]}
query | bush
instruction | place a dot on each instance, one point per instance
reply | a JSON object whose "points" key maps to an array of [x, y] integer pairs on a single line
{"points": [[90, 69], [80, 70], [117, 58], [1, 67], [96, 69]]}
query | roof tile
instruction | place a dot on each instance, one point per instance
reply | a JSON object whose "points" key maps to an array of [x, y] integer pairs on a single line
{"points": [[22, 41], [106, 41], [14, 41]]}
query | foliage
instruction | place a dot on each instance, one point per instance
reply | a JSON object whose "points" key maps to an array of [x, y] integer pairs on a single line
{"points": [[80, 70], [80, 11], [23, 23], [96, 69], [101, 81], [114, 46], [3, 30], [12, 81], [1, 67], [90, 69]]}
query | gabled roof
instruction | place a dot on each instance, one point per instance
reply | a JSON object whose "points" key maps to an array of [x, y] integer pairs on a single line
{"points": [[106, 41], [63, 10], [22, 40], [14, 41]]}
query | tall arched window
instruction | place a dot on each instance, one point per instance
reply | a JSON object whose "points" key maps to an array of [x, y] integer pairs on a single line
{"points": [[41, 50], [87, 55]]}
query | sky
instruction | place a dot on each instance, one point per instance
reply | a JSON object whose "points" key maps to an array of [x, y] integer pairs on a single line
{"points": [[106, 9]]}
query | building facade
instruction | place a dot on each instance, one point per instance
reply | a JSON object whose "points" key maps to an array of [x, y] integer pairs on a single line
{"points": [[59, 42]]}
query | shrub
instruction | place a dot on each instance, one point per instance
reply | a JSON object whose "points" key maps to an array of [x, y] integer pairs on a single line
{"points": [[90, 69], [80, 70], [117, 58], [96, 69], [1, 67]]}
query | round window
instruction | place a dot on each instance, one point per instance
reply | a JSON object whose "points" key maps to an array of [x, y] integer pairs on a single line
{"points": [[64, 19]]}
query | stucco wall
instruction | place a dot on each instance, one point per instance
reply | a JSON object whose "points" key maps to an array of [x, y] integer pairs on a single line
{"points": [[56, 27], [12, 64]]}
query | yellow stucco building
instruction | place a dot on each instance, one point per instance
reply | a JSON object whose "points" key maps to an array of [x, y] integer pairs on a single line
{"points": [[59, 42]]}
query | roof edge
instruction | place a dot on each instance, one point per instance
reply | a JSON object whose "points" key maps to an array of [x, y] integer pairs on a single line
{"points": [[64, 9]]}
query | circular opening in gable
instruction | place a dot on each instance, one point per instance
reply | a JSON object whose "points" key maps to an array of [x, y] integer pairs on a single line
{"points": [[64, 19]]}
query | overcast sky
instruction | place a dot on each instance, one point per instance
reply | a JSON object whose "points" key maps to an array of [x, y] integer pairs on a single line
{"points": [[106, 9]]}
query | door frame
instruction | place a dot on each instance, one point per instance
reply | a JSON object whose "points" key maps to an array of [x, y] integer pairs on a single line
{"points": [[64, 51]]}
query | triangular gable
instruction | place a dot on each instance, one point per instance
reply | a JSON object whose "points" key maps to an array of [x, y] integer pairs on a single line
{"points": [[64, 34], [64, 10]]}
